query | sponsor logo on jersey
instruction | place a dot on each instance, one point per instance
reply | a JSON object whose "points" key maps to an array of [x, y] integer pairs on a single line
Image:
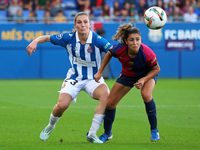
{"points": [[121, 57], [131, 63], [106, 46], [129, 68], [79, 61]]}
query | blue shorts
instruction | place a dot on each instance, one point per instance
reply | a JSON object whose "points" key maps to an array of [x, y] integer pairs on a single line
{"points": [[129, 81]]}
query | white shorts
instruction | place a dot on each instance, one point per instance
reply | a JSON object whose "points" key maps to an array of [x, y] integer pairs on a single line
{"points": [[73, 87]]}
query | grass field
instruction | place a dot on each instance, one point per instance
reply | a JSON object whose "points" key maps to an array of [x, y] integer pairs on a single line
{"points": [[25, 107]]}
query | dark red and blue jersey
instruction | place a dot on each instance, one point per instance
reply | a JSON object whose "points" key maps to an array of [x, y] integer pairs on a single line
{"points": [[138, 66]]}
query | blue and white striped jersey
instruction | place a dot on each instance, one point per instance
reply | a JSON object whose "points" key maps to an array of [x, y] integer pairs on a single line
{"points": [[85, 59]]}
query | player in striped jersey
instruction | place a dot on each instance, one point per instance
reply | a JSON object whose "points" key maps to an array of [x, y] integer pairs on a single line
{"points": [[84, 49], [139, 69]]}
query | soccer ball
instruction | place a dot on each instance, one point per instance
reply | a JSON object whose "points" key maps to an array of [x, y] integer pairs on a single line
{"points": [[155, 17]]}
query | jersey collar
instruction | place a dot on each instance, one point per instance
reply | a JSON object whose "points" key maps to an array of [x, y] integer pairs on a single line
{"points": [[89, 39]]}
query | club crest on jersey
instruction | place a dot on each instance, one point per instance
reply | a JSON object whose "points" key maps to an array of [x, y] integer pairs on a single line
{"points": [[89, 50], [59, 36]]}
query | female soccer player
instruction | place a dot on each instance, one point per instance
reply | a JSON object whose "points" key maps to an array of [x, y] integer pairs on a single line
{"points": [[139, 69], [84, 48]]}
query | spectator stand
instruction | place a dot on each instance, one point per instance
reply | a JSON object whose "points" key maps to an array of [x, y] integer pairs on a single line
{"points": [[70, 7], [111, 2], [40, 14], [3, 16], [25, 14], [197, 11], [69, 4], [70, 14], [97, 12]]}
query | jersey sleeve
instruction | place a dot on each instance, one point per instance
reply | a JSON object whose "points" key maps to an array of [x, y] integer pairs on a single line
{"points": [[60, 39], [115, 48], [104, 44], [151, 56]]}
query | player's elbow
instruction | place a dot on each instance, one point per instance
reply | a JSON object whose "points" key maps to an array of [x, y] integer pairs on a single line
{"points": [[158, 70]]}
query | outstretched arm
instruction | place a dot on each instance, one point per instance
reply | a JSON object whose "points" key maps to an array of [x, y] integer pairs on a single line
{"points": [[105, 61], [33, 45]]}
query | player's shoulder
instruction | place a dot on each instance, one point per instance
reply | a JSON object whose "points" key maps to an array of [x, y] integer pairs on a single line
{"points": [[119, 46], [100, 41], [97, 37], [63, 35], [147, 50], [69, 34], [145, 47], [69, 37]]}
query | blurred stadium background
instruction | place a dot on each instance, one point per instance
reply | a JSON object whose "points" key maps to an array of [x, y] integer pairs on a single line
{"points": [[25, 105], [176, 45]]}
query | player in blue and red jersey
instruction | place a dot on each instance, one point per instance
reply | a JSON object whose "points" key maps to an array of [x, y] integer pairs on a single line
{"points": [[84, 49], [139, 68]]}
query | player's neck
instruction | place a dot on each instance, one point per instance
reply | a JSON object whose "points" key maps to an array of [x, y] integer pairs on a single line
{"points": [[83, 38], [132, 54]]}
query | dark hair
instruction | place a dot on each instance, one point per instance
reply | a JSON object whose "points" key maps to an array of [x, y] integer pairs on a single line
{"points": [[124, 31]]}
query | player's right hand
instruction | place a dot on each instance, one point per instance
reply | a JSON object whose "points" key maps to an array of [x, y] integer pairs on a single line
{"points": [[31, 48]]}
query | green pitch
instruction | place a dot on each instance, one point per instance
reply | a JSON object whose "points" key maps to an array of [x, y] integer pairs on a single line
{"points": [[25, 107]]}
